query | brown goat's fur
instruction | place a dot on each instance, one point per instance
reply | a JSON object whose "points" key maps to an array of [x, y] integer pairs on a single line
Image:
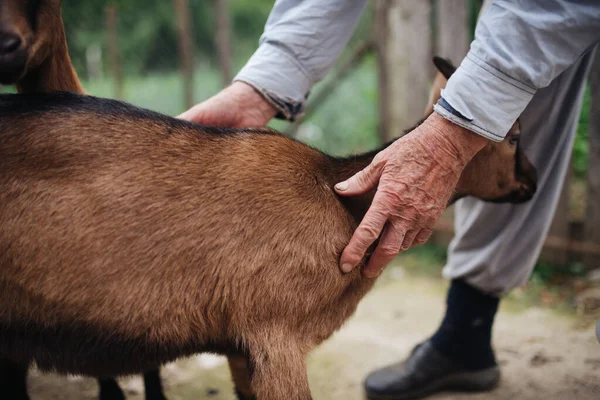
{"points": [[128, 239]]}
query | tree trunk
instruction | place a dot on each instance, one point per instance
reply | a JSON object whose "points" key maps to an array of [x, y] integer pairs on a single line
{"points": [[113, 50], [186, 50], [452, 29], [405, 67], [222, 39], [381, 43]]}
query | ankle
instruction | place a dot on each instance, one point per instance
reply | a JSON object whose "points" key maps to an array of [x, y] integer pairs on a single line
{"points": [[466, 330]]}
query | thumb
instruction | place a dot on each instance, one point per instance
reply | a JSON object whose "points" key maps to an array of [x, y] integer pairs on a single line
{"points": [[208, 113], [362, 181], [191, 114]]}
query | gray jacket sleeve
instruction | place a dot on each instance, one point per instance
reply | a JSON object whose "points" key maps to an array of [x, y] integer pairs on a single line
{"points": [[520, 46], [301, 42]]}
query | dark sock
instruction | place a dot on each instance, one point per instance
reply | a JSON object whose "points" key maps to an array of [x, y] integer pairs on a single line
{"points": [[465, 335]]}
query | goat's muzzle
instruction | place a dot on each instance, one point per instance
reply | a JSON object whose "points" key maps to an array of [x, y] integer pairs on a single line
{"points": [[13, 57], [526, 178], [526, 175]]}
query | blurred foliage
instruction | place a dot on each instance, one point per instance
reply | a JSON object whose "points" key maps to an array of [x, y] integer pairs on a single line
{"points": [[474, 7], [148, 34], [148, 31], [580, 149], [346, 123]]}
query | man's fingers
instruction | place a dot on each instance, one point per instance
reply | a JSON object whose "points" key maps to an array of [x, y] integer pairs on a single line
{"points": [[387, 249], [184, 115], [409, 238], [367, 232], [422, 237], [205, 115], [363, 180]]}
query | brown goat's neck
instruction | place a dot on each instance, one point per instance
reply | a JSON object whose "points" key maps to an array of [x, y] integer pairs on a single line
{"points": [[358, 205], [56, 73]]}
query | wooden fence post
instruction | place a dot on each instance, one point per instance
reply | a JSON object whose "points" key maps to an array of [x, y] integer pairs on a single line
{"points": [[186, 50], [222, 39], [405, 69], [93, 60], [592, 216], [113, 50], [452, 29]]}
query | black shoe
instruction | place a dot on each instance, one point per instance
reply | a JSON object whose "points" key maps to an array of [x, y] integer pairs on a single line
{"points": [[424, 373]]}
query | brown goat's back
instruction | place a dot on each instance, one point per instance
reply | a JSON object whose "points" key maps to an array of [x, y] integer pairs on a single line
{"points": [[135, 238]]}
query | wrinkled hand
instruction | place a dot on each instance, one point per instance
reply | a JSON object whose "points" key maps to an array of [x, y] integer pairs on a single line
{"points": [[415, 177], [237, 106]]}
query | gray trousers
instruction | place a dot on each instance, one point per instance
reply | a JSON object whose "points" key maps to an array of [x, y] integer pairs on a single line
{"points": [[496, 245]]}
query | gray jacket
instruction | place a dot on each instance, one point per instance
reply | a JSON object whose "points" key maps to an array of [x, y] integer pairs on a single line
{"points": [[520, 47]]}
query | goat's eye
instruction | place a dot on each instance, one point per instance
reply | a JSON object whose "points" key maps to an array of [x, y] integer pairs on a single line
{"points": [[514, 139]]}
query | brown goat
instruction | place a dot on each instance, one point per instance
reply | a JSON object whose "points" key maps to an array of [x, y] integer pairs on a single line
{"points": [[34, 56], [128, 239]]}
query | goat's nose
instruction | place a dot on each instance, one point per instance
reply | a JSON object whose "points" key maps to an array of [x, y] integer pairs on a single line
{"points": [[9, 43]]}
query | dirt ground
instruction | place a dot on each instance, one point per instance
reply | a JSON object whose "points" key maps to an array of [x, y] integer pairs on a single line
{"points": [[544, 354]]}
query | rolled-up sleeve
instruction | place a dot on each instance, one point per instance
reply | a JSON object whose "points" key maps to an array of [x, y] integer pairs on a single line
{"points": [[301, 42], [520, 46]]}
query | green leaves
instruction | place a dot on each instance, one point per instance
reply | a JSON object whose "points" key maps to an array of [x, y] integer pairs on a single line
{"points": [[148, 31]]}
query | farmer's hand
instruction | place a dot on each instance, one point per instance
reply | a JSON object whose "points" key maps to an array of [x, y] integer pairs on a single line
{"points": [[417, 175], [237, 106]]}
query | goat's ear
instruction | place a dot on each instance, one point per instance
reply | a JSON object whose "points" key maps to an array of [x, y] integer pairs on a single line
{"points": [[444, 66]]}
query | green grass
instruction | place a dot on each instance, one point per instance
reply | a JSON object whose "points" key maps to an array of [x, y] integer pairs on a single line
{"points": [[162, 92]]}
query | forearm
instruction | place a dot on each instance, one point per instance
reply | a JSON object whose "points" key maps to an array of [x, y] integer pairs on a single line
{"points": [[301, 42], [520, 47]]}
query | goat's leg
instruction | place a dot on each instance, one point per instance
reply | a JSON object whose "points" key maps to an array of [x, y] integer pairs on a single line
{"points": [[153, 385], [110, 390], [279, 372], [13, 380], [240, 373]]}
